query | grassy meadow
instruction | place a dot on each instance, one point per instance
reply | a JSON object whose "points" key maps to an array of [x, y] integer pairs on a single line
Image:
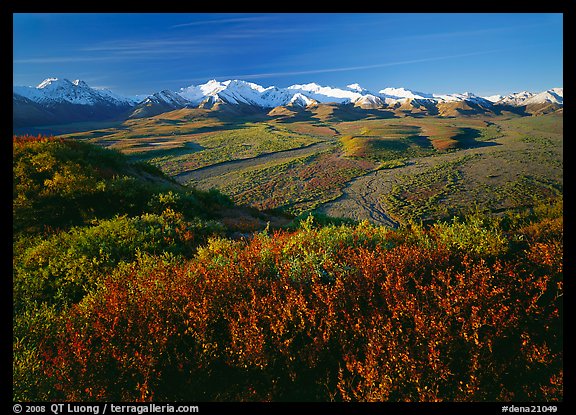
{"points": [[416, 168]]}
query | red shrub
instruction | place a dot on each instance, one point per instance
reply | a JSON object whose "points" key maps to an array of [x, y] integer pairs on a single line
{"points": [[285, 318]]}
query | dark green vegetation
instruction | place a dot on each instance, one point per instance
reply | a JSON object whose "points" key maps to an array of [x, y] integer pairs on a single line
{"points": [[131, 287], [59, 184]]}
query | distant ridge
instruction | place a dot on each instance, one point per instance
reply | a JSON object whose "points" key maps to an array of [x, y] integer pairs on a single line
{"points": [[56, 101]]}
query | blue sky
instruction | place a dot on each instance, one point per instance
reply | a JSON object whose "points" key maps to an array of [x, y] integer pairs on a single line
{"points": [[486, 53]]}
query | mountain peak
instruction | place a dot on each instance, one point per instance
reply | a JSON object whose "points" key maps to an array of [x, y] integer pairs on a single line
{"points": [[494, 98], [550, 96], [52, 83], [234, 83], [48, 82], [55, 90], [355, 87], [300, 100], [558, 91], [400, 93], [325, 93], [311, 87]]}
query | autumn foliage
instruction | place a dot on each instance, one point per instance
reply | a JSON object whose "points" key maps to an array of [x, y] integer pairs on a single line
{"points": [[468, 310], [319, 314]]}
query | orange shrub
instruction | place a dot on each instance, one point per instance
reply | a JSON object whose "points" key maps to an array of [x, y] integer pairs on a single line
{"points": [[318, 315]]}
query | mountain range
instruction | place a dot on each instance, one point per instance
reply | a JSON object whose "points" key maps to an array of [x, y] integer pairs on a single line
{"points": [[60, 101]]}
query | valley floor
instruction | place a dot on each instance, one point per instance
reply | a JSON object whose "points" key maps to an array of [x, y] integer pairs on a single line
{"points": [[483, 170], [385, 170], [223, 168]]}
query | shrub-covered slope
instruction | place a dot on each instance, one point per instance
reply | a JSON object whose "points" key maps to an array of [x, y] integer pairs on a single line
{"points": [[61, 183], [137, 308]]}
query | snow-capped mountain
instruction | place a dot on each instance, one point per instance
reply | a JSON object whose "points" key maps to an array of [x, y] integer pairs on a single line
{"points": [[494, 98], [301, 100], [551, 96], [54, 90], [248, 93], [357, 88], [403, 93], [241, 92], [57, 101], [369, 101], [60, 100], [466, 96], [165, 97], [516, 99], [158, 103], [231, 92], [326, 94]]}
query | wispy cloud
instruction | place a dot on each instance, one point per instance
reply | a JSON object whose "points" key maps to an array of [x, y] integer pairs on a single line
{"points": [[476, 32], [360, 67], [63, 59], [222, 42], [247, 19], [226, 40], [126, 50], [151, 45]]}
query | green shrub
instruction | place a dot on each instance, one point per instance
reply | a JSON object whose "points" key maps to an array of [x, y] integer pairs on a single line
{"points": [[59, 184], [477, 233], [30, 328], [67, 265]]}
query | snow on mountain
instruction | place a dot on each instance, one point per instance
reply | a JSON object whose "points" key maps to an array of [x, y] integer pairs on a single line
{"points": [[517, 98], [192, 93], [558, 91], [324, 94], [47, 83], [28, 92], [234, 92], [166, 97], [212, 87], [158, 103], [54, 90], [466, 96], [470, 97], [60, 101], [369, 101], [494, 98], [197, 93], [402, 93], [552, 96], [242, 92], [300, 100], [275, 97], [112, 96], [356, 88], [138, 98]]}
